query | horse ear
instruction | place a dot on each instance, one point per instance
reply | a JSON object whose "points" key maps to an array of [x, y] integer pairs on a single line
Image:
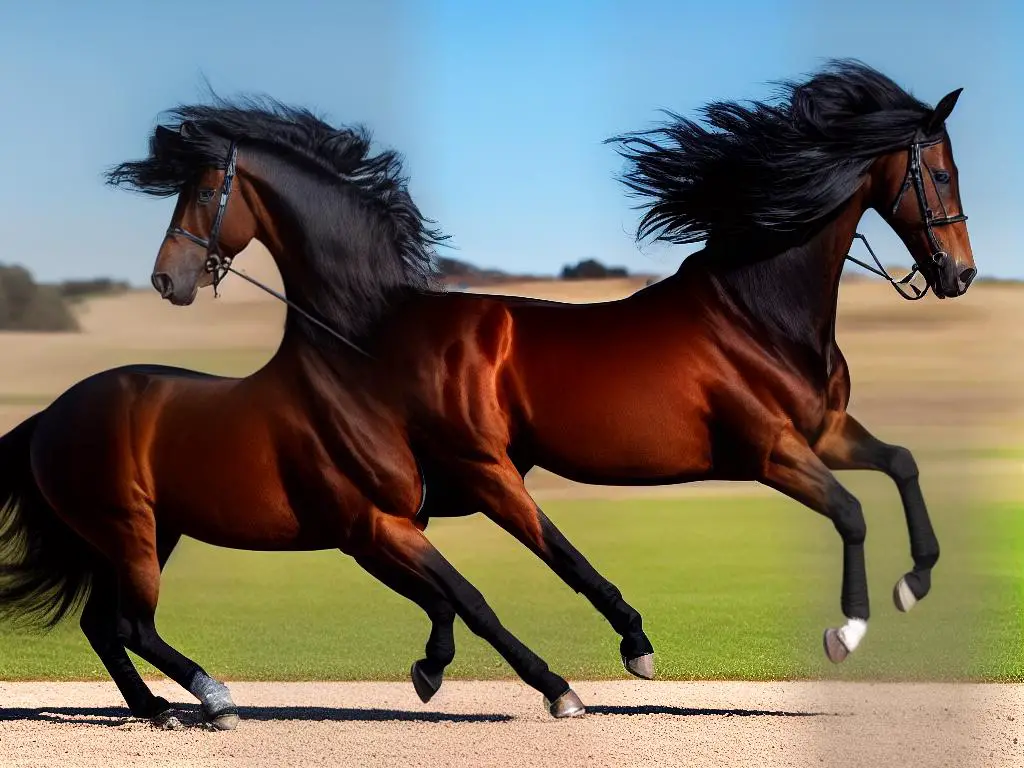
{"points": [[938, 116], [188, 130]]}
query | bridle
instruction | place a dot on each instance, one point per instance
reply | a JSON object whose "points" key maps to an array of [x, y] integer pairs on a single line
{"points": [[216, 264], [914, 178], [219, 265]]}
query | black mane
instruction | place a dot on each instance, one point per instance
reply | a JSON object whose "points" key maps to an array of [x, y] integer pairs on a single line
{"points": [[366, 241], [768, 168]]}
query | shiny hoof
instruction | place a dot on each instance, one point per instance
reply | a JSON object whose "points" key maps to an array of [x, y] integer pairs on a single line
{"points": [[903, 596], [834, 648], [426, 685], [566, 705], [641, 666], [227, 721]]}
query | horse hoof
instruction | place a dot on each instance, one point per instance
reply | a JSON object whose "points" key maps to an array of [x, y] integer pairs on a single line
{"points": [[225, 722], [834, 648], [641, 666], [903, 596], [426, 685], [566, 705], [167, 721]]}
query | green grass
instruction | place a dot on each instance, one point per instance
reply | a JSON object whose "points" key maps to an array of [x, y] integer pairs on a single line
{"points": [[998, 554], [730, 588]]}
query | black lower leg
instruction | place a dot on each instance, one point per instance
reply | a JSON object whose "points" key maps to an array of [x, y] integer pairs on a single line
{"points": [[924, 546], [848, 519], [482, 621], [579, 574], [440, 648], [428, 672], [140, 636], [854, 600], [99, 624]]}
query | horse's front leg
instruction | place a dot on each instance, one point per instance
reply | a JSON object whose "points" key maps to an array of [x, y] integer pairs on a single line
{"points": [[794, 469], [848, 445]]}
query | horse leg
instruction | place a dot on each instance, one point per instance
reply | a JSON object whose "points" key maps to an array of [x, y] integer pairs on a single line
{"points": [[848, 445], [138, 571], [397, 544], [427, 673], [99, 623], [794, 469], [507, 502]]}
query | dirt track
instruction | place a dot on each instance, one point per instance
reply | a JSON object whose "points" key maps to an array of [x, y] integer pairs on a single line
{"points": [[503, 724]]}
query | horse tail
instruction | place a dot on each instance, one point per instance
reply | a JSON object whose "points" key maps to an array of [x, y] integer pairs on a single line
{"points": [[45, 568]]}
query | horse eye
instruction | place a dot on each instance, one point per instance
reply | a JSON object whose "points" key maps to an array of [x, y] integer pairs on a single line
{"points": [[205, 196], [942, 177]]}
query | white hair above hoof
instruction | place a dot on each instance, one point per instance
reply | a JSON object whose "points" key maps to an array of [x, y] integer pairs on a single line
{"points": [[903, 596]]}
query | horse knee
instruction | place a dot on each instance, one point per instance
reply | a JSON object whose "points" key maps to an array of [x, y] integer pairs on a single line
{"points": [[902, 465]]}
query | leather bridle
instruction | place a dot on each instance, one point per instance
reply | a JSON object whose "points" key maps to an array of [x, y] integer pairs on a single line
{"points": [[915, 178], [219, 265], [216, 264]]}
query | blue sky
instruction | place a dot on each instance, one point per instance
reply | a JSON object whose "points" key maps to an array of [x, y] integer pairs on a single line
{"points": [[499, 109]]}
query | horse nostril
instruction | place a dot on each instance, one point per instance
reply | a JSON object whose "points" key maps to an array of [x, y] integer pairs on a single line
{"points": [[967, 275], [162, 282]]}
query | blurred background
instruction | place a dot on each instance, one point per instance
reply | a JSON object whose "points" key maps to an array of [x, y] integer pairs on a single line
{"points": [[501, 113]]}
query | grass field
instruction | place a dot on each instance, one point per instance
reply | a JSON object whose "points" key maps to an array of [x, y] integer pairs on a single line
{"points": [[730, 589], [732, 584]]}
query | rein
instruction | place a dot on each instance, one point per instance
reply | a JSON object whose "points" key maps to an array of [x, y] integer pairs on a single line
{"points": [[219, 266], [883, 273], [915, 179]]}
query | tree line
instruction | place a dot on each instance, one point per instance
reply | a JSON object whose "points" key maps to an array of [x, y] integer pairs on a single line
{"points": [[26, 305]]}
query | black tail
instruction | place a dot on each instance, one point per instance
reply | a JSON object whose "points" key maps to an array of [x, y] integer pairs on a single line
{"points": [[45, 569]]}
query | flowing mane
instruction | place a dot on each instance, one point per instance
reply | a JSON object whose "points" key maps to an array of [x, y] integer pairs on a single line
{"points": [[766, 168], [366, 240]]}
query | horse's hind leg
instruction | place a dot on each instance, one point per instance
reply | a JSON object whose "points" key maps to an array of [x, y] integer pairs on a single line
{"points": [[427, 673], [847, 445], [99, 623], [397, 545], [138, 571]]}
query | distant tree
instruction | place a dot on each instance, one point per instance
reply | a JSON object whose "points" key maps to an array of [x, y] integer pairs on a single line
{"points": [[75, 290], [591, 269], [27, 306]]}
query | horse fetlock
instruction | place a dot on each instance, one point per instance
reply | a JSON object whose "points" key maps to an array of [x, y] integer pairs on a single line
{"points": [[213, 694]]}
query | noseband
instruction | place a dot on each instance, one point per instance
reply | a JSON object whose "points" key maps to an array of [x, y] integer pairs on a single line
{"points": [[219, 265], [914, 178]]}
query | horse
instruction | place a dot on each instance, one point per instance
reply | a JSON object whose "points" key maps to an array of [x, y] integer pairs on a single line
{"points": [[727, 370], [97, 489]]}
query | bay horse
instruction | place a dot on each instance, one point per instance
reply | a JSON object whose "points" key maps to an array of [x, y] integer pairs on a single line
{"points": [[727, 370], [97, 489]]}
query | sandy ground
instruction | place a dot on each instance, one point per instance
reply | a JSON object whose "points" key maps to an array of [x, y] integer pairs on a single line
{"points": [[503, 724]]}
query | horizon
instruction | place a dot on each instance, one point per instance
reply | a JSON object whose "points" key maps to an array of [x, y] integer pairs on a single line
{"points": [[499, 113]]}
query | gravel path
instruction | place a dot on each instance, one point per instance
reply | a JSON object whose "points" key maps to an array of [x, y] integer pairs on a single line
{"points": [[503, 724]]}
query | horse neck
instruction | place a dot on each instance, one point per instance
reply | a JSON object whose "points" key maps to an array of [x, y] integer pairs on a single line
{"points": [[792, 291], [330, 261]]}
